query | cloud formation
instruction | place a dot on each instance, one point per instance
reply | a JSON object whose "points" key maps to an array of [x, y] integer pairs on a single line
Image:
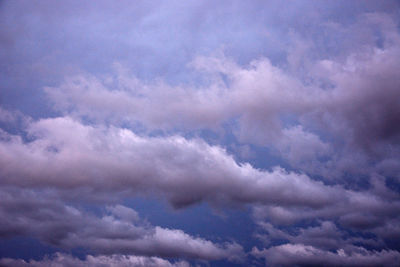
{"points": [[348, 101], [289, 111], [290, 254], [60, 259], [119, 231], [109, 160], [117, 160]]}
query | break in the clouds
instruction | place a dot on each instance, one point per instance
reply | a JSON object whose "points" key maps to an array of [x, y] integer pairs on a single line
{"points": [[288, 114]]}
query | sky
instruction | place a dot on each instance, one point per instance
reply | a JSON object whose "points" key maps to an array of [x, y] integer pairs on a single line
{"points": [[199, 133]]}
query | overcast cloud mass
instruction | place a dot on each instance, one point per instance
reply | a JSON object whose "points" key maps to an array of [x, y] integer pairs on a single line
{"points": [[200, 133]]}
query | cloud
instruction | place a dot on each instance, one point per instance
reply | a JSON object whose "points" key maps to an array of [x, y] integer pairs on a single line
{"points": [[113, 95], [60, 259], [360, 211], [298, 254], [109, 159], [346, 102], [184, 171], [257, 95], [366, 222], [119, 231], [304, 150]]}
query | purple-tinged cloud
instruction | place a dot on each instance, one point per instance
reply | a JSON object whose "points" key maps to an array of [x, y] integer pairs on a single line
{"points": [[302, 255], [119, 231], [118, 98], [117, 160], [109, 160], [60, 259], [348, 102]]}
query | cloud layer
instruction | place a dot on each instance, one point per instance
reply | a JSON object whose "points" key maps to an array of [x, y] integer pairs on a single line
{"points": [[97, 261], [290, 112], [119, 231]]}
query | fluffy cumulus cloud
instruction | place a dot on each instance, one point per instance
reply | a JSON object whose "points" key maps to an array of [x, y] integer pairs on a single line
{"points": [[290, 112]]}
